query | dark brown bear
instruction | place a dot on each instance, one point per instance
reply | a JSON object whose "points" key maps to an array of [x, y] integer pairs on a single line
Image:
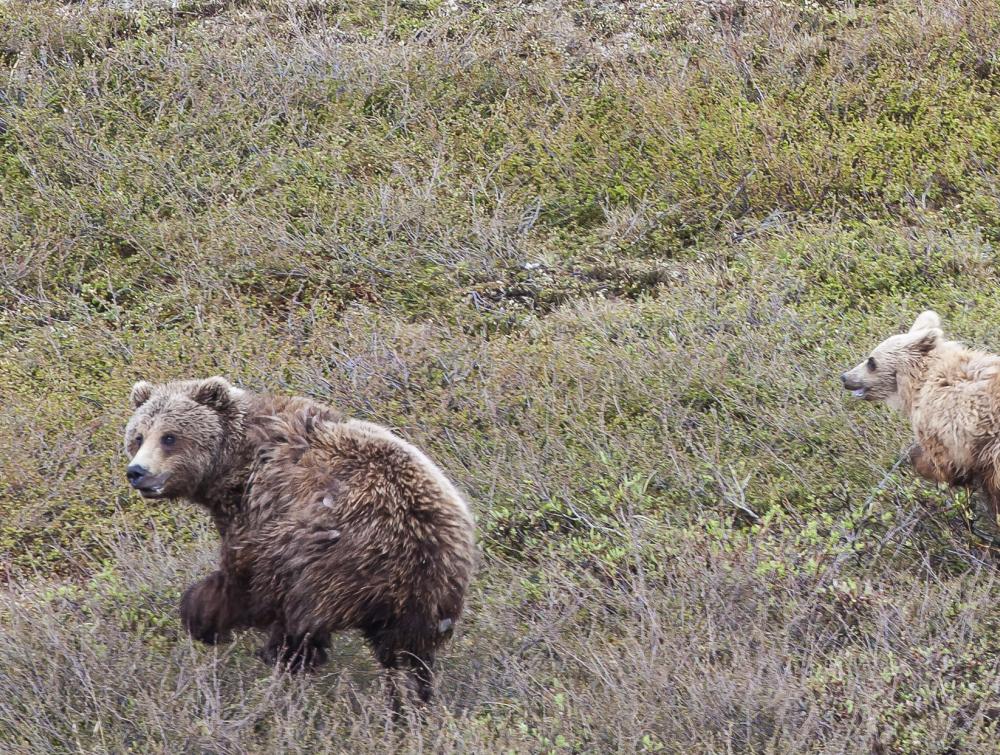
{"points": [[327, 523]]}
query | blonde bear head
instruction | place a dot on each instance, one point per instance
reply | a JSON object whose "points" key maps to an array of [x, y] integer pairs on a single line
{"points": [[877, 378]]}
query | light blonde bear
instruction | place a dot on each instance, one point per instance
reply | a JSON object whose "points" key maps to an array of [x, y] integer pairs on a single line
{"points": [[951, 396]]}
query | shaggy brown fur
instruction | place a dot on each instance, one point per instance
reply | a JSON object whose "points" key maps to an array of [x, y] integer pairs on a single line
{"points": [[951, 395], [326, 523]]}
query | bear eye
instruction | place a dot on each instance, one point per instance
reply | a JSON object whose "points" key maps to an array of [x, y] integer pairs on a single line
{"points": [[871, 363], [137, 441], [168, 440]]}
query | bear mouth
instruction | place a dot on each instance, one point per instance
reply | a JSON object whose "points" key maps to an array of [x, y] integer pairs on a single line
{"points": [[151, 487], [147, 485], [856, 388]]}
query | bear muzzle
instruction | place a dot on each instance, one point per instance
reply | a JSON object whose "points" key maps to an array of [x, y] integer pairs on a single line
{"points": [[857, 389], [149, 485]]}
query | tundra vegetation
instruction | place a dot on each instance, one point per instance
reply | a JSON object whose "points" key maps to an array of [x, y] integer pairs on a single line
{"points": [[603, 261]]}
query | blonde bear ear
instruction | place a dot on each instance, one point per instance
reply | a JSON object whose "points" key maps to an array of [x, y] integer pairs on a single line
{"points": [[925, 340], [926, 320], [141, 392]]}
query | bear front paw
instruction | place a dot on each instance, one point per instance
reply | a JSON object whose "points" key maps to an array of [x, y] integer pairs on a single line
{"points": [[295, 655], [206, 611]]}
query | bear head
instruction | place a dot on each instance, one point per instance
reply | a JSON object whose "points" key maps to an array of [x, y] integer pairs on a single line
{"points": [[877, 377], [177, 433]]}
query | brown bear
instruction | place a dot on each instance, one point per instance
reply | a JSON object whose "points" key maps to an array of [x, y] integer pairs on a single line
{"points": [[326, 523], [951, 395]]}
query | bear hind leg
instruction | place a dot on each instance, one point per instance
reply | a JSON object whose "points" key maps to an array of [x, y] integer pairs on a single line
{"points": [[420, 676], [990, 490], [409, 667]]}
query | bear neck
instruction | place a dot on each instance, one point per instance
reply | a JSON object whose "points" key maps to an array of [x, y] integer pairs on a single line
{"points": [[221, 491], [910, 378]]}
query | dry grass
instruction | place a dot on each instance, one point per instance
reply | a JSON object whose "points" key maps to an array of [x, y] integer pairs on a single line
{"points": [[706, 647], [604, 261]]}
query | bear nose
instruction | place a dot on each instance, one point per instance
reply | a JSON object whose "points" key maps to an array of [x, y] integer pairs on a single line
{"points": [[843, 379], [135, 473]]}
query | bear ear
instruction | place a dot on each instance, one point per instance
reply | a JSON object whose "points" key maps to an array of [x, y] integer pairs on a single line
{"points": [[141, 392], [927, 340], [215, 393], [926, 320]]}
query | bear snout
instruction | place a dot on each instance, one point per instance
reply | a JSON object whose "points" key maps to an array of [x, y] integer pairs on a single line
{"points": [[856, 387], [135, 474], [142, 480]]}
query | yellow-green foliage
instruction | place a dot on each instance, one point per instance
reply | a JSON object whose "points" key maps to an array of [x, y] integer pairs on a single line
{"points": [[604, 261]]}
